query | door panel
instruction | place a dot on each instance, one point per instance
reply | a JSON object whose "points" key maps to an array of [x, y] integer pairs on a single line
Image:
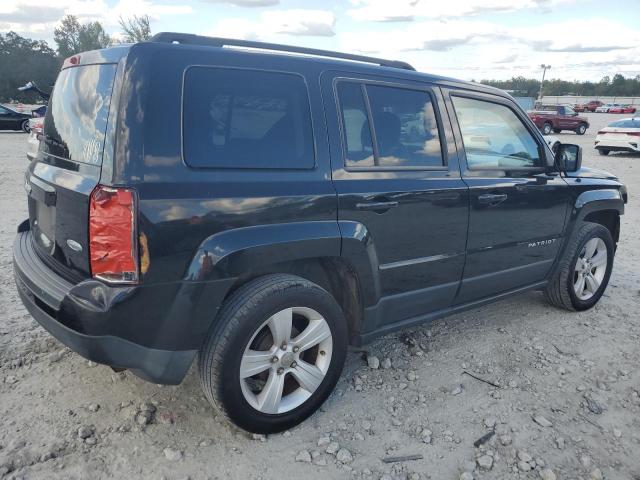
{"points": [[517, 206], [414, 209]]}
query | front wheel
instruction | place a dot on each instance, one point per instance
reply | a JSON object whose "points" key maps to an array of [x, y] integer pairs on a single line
{"points": [[582, 128], [275, 353], [583, 274], [546, 128]]}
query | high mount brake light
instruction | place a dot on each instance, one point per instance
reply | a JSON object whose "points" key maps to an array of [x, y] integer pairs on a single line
{"points": [[113, 243], [71, 61]]}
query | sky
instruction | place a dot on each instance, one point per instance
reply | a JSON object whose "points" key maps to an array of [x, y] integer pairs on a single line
{"points": [[466, 39]]}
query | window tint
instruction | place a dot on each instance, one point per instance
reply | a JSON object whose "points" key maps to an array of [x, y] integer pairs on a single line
{"points": [[404, 123], [494, 137], [633, 123], [357, 133], [76, 119], [3, 111], [246, 119]]}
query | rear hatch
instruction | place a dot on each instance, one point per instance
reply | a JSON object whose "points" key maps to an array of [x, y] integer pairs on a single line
{"points": [[69, 163]]}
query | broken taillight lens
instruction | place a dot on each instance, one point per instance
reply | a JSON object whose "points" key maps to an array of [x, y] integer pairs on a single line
{"points": [[113, 245]]}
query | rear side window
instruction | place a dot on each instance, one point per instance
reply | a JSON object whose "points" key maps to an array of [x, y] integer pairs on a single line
{"points": [[76, 119], [246, 119], [404, 126]]}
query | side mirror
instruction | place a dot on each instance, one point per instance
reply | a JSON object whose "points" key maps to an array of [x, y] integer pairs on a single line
{"points": [[568, 157]]}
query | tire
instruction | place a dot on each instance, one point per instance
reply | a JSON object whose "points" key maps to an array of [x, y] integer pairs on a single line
{"points": [[556, 130], [582, 129], [24, 126], [243, 322], [546, 128], [561, 290], [603, 151]]}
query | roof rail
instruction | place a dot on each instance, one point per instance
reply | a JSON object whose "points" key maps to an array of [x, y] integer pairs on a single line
{"points": [[191, 39]]}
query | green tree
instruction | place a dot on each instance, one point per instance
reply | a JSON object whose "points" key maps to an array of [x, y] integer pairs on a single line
{"points": [[72, 37], [617, 85], [23, 60], [136, 29]]}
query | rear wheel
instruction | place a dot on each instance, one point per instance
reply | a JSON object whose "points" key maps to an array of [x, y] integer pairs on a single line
{"points": [[546, 128], [275, 353], [582, 128], [603, 151], [583, 274], [24, 126]]}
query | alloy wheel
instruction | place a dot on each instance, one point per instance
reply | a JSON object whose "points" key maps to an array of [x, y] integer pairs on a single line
{"points": [[590, 268], [286, 360]]}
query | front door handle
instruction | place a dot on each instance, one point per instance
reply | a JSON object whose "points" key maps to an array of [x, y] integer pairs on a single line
{"points": [[492, 198], [378, 207]]}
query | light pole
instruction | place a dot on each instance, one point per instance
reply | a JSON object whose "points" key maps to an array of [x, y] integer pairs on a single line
{"points": [[544, 70]]}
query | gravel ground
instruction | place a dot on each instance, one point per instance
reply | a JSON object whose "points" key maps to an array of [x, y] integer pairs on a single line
{"points": [[567, 405]]}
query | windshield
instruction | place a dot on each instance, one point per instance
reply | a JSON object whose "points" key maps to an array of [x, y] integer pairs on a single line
{"points": [[76, 119]]}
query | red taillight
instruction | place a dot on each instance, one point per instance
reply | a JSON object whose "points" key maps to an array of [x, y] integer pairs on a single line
{"points": [[71, 61], [113, 245], [37, 128]]}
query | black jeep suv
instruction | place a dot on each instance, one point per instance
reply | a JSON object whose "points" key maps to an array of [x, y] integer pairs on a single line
{"points": [[260, 207]]}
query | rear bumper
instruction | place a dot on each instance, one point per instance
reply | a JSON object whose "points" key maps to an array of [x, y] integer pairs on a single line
{"points": [[155, 331], [618, 145]]}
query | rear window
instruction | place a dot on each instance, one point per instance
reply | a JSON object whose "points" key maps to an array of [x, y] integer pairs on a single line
{"points": [[76, 119], [246, 119], [633, 123]]}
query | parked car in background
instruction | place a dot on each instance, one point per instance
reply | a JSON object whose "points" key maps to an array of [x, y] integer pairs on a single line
{"points": [[605, 108], [553, 142], [619, 136], [623, 109], [40, 111], [592, 105], [555, 118], [36, 126], [12, 120]]}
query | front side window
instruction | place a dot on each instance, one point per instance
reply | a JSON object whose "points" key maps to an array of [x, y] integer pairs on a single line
{"points": [[246, 119], [494, 137], [404, 125]]}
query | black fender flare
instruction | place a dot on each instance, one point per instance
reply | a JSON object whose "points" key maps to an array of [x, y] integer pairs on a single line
{"points": [[598, 200], [233, 253]]}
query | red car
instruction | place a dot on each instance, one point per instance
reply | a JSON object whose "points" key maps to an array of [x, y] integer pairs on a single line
{"points": [[555, 118], [623, 109], [592, 105]]}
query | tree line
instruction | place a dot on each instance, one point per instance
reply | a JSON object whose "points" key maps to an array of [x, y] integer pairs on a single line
{"points": [[616, 86], [25, 60]]}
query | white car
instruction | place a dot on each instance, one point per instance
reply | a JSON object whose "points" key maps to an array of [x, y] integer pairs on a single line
{"points": [[619, 136], [36, 126], [605, 108], [552, 141]]}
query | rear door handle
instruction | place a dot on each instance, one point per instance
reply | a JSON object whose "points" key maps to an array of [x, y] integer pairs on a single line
{"points": [[492, 198], [377, 206]]}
